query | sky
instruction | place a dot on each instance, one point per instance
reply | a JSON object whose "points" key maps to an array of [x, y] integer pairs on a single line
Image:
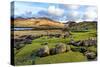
{"points": [[54, 11]]}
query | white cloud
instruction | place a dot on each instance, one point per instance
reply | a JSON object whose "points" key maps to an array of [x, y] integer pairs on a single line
{"points": [[55, 11], [74, 13], [72, 6], [91, 8], [91, 13]]}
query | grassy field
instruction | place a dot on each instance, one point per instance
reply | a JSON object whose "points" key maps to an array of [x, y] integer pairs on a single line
{"points": [[26, 56], [62, 58]]}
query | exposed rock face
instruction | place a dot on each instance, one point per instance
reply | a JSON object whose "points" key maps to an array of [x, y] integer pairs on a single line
{"points": [[44, 51], [60, 48], [90, 55]]}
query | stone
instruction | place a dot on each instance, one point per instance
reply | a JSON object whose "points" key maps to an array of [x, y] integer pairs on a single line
{"points": [[60, 48], [90, 55], [52, 51], [44, 51], [68, 48], [27, 41]]}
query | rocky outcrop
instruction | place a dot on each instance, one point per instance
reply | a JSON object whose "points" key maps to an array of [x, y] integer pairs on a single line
{"points": [[89, 42]]}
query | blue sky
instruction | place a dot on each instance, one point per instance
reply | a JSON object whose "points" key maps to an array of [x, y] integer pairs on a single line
{"points": [[57, 12]]}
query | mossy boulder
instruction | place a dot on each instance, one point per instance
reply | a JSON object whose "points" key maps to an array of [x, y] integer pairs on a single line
{"points": [[90, 55], [52, 51], [60, 48], [44, 51], [68, 48]]}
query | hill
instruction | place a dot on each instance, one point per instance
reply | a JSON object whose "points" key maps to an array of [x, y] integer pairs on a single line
{"points": [[83, 26], [35, 22]]}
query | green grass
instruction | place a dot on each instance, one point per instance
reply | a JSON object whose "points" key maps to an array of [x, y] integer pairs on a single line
{"points": [[85, 35], [22, 57], [92, 48], [62, 58]]}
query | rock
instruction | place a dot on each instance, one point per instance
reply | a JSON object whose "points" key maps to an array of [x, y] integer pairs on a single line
{"points": [[90, 55], [89, 42], [68, 48], [72, 42], [23, 36], [58, 35], [52, 51], [79, 43], [27, 41], [44, 51], [60, 48], [67, 34], [30, 37], [51, 35]]}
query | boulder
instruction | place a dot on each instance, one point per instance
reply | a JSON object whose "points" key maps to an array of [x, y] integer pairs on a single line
{"points": [[79, 43], [27, 41], [68, 48], [72, 42], [67, 34], [57, 35], [30, 37], [52, 51], [60, 48], [89, 42], [44, 51], [90, 55]]}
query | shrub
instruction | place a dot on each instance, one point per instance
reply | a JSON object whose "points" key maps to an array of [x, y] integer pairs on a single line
{"points": [[92, 49], [82, 49]]}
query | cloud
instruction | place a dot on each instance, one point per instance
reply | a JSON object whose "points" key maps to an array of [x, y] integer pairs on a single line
{"points": [[74, 13], [92, 8], [90, 13], [55, 11], [72, 7], [25, 9]]}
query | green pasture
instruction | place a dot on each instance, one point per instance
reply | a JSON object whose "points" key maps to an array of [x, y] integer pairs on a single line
{"points": [[25, 55]]}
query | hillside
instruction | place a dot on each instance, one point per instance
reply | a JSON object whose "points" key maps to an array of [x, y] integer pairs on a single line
{"points": [[83, 26], [36, 22]]}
